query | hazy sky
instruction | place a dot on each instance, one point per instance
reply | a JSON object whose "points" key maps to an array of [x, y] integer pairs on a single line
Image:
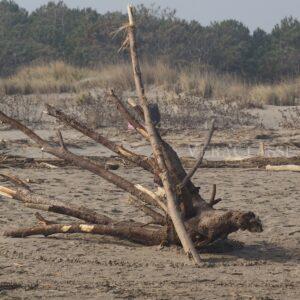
{"points": [[254, 13]]}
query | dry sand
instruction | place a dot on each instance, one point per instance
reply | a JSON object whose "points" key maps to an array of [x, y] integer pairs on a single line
{"points": [[262, 266]]}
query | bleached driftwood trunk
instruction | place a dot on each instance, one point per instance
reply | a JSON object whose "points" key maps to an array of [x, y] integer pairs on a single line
{"points": [[180, 215]]}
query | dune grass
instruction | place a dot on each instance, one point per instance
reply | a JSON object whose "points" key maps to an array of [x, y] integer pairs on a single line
{"points": [[284, 93], [59, 77], [56, 77]]}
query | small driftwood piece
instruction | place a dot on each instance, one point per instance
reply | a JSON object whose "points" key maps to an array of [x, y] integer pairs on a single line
{"points": [[15, 180], [293, 168], [253, 162]]}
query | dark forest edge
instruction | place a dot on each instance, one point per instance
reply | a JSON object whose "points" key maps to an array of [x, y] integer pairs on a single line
{"points": [[83, 37]]}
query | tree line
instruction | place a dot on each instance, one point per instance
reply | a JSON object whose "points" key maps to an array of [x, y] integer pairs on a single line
{"points": [[83, 37]]}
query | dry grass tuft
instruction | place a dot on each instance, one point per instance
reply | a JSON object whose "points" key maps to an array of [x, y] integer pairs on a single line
{"points": [[283, 94], [59, 77], [56, 77]]}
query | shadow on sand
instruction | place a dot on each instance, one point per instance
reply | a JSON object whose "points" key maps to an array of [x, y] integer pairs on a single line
{"points": [[260, 251]]}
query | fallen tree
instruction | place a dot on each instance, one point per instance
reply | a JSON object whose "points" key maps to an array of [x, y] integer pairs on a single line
{"points": [[179, 213]]}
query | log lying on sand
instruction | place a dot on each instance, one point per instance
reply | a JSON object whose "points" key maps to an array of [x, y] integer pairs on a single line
{"points": [[132, 232], [147, 235], [10, 161], [253, 162], [293, 168], [210, 226]]}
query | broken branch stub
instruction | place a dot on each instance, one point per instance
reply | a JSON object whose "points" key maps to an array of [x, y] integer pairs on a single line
{"points": [[128, 116]]}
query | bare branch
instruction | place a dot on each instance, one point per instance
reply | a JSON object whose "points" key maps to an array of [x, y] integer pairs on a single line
{"points": [[130, 230], [61, 140], [84, 163], [17, 125], [128, 116], [42, 220], [200, 159], [38, 202], [157, 146], [213, 201], [140, 160], [213, 193], [15, 180]]}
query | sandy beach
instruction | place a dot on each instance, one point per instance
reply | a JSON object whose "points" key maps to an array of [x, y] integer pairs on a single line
{"points": [[248, 266]]}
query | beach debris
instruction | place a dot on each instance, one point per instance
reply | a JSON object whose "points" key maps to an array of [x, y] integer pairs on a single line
{"points": [[262, 149], [16, 180], [179, 214], [293, 168], [112, 165], [48, 166]]}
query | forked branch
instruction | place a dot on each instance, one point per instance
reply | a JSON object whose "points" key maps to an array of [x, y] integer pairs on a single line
{"points": [[128, 116], [140, 160], [82, 162]]}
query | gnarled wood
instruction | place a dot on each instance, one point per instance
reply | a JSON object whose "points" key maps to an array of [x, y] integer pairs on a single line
{"points": [[157, 148], [194, 219], [207, 226]]}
